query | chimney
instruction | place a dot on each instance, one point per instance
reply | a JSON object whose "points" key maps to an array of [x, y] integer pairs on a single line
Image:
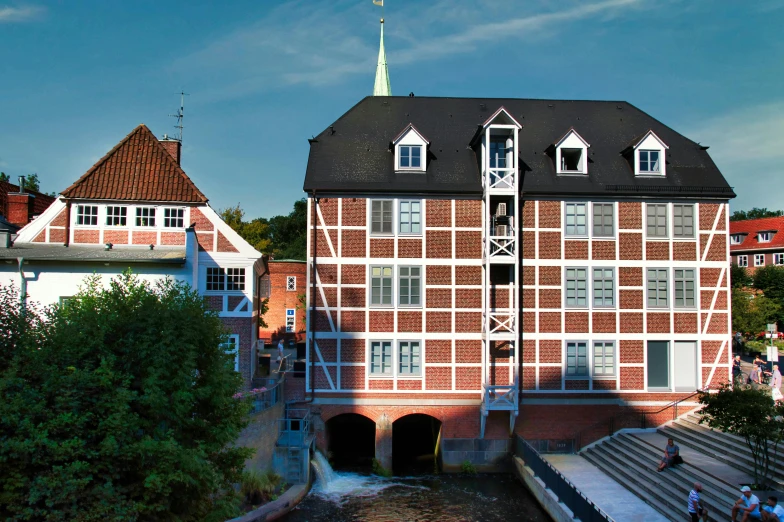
{"points": [[172, 146], [20, 208]]}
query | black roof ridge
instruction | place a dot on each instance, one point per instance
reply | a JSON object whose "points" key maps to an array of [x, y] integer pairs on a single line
{"points": [[497, 98]]}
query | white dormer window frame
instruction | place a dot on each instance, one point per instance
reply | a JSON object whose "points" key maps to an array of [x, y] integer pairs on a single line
{"points": [[410, 150], [650, 154], [571, 154], [736, 239], [765, 236]]}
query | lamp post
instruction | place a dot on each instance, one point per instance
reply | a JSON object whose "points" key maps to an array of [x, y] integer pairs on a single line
{"points": [[773, 352]]}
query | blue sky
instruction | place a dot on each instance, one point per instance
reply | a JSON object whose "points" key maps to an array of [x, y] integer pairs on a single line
{"points": [[76, 77]]}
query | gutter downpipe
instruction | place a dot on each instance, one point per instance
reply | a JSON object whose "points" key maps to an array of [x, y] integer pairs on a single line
{"points": [[22, 285], [313, 301]]}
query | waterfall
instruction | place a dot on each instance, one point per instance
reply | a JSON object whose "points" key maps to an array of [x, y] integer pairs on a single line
{"points": [[324, 471]]}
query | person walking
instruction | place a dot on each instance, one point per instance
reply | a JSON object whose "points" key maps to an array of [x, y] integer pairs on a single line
{"points": [[671, 450], [749, 504], [737, 371], [696, 509], [772, 512], [754, 377]]}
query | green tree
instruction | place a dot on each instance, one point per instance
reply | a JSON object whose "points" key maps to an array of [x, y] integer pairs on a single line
{"points": [[739, 276], [770, 279], [3, 177], [752, 313], [751, 414], [755, 213], [31, 182], [118, 406], [289, 233], [255, 232]]}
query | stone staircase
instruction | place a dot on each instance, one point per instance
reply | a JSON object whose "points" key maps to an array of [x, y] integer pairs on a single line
{"points": [[729, 449], [632, 462]]}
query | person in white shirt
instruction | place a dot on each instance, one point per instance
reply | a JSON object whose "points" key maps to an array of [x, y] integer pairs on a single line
{"points": [[748, 504], [772, 512], [695, 507]]}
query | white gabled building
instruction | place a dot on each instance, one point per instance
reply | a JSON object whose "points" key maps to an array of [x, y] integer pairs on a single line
{"points": [[136, 208]]}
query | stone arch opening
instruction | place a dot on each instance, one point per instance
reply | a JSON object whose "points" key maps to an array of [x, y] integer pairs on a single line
{"points": [[351, 440], [414, 444]]}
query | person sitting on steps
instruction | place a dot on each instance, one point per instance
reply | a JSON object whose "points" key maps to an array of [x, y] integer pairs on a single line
{"points": [[772, 512], [749, 504], [670, 452]]}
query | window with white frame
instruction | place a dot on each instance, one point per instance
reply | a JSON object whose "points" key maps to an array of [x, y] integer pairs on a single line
{"points": [[409, 285], [765, 237], [778, 259], [649, 162], [684, 287], [409, 358], [759, 259], [173, 217], [290, 319], [410, 216], [576, 219], [409, 157], [683, 221], [232, 346], [380, 358], [381, 286], [381, 216], [603, 219], [571, 154], [145, 216], [500, 148], [577, 359], [576, 287], [657, 288], [743, 260], [225, 279], [603, 287], [603, 359], [291, 283], [736, 239], [116, 216], [87, 215], [656, 219]]}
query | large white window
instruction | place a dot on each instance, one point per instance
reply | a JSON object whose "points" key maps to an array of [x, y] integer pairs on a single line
{"points": [[657, 288], [380, 286], [576, 222], [87, 215], [173, 217], [778, 259], [649, 162], [604, 287], [225, 279], [145, 216], [683, 221], [577, 359], [577, 287], [410, 284], [743, 261], [409, 358], [603, 219], [410, 216], [116, 216], [410, 157], [684, 287], [381, 216], [657, 220], [759, 259], [603, 359], [380, 358]]}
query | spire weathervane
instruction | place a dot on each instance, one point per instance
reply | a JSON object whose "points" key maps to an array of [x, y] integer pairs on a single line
{"points": [[381, 86]]}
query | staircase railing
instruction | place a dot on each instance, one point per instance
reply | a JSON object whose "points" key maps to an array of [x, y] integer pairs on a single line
{"points": [[626, 419]]}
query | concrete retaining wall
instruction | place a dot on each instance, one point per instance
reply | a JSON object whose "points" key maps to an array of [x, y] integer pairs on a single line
{"points": [[261, 434], [486, 455], [546, 498]]}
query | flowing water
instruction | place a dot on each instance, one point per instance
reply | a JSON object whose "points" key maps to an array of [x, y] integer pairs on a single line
{"points": [[347, 496]]}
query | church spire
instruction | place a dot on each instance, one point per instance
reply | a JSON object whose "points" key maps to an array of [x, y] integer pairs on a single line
{"points": [[381, 87]]}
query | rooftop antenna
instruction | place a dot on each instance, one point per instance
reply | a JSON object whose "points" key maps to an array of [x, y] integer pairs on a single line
{"points": [[180, 115]]}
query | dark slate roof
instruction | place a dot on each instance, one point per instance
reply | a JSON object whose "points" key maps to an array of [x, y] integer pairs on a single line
{"points": [[5, 226], [139, 168], [354, 154], [82, 254]]}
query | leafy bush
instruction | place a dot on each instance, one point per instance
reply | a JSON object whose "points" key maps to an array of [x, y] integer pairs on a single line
{"points": [[258, 488], [468, 468], [380, 470]]}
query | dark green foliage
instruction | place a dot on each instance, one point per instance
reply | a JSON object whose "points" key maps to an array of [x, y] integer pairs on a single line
{"points": [[739, 276], [3, 177], [283, 237], [770, 279], [755, 213], [752, 313], [118, 406], [467, 468], [749, 413]]}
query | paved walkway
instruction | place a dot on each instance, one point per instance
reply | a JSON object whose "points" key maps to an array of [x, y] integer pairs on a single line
{"points": [[614, 499]]}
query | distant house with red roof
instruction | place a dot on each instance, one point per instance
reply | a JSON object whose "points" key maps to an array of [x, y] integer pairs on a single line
{"points": [[136, 208], [757, 242], [20, 207]]}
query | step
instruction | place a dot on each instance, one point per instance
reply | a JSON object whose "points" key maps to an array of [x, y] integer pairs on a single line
{"points": [[693, 422], [722, 453], [684, 474], [649, 499], [682, 478]]}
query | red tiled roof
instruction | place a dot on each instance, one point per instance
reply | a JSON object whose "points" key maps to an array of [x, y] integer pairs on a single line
{"points": [[139, 169], [751, 227], [40, 203]]}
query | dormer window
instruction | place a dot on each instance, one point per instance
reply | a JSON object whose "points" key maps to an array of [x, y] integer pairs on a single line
{"points": [[500, 150], [765, 237], [736, 239], [410, 157], [410, 150], [649, 156], [571, 154]]}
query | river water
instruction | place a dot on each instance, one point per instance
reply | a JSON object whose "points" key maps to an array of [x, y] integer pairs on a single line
{"points": [[348, 496]]}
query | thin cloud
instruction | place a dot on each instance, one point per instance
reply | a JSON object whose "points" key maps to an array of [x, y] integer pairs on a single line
{"points": [[323, 44], [20, 14]]}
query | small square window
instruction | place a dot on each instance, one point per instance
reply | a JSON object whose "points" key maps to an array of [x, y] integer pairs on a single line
{"points": [[743, 261], [410, 157], [576, 219], [235, 279], [173, 217], [381, 216], [145, 216], [657, 220], [649, 161], [291, 283], [759, 259], [87, 215], [409, 358], [116, 216], [603, 219], [683, 221], [577, 359], [381, 358]]}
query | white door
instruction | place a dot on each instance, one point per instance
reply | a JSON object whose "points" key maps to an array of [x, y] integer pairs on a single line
{"points": [[684, 359]]}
